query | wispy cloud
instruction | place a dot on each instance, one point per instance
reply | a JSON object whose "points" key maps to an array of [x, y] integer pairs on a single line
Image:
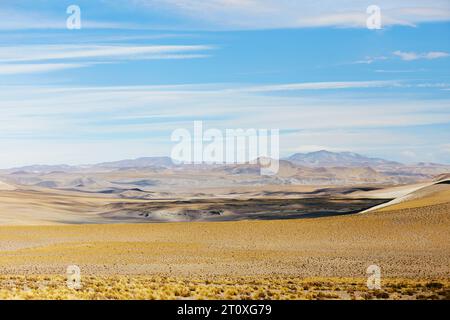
{"points": [[239, 14], [370, 60], [120, 107], [405, 56], [119, 122], [256, 14], [29, 19], [41, 58], [25, 19], [10, 69], [399, 71], [62, 52], [330, 85], [410, 56]]}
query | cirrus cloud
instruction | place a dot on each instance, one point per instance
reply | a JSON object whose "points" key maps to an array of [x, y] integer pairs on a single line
{"points": [[41, 58], [410, 56]]}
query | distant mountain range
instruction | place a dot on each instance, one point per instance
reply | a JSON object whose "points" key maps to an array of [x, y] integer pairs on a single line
{"points": [[325, 158], [138, 163], [318, 159], [138, 177]]}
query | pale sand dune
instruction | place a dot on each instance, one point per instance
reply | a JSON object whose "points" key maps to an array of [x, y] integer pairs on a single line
{"points": [[45, 206], [392, 192], [417, 195], [435, 194]]}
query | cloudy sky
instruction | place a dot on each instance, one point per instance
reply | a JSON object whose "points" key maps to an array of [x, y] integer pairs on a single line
{"points": [[139, 69]]}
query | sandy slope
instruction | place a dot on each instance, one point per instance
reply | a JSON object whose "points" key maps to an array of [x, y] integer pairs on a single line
{"points": [[409, 239], [411, 243], [392, 192], [413, 196], [45, 206], [30, 207], [6, 186], [435, 194]]}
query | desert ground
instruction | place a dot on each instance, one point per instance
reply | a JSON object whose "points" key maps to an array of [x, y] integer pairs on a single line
{"points": [[402, 229]]}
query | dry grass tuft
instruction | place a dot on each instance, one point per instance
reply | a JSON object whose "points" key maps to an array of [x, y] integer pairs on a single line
{"points": [[245, 288]]}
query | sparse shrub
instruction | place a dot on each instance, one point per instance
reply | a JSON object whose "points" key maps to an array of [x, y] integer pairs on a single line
{"points": [[382, 295], [367, 296], [434, 285], [156, 287]]}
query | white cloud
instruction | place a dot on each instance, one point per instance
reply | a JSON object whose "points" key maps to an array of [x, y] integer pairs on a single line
{"points": [[35, 58], [121, 122], [436, 55], [370, 60], [322, 86], [61, 52], [399, 71], [15, 19], [261, 14], [130, 108], [10, 69], [410, 56], [407, 56], [244, 14]]}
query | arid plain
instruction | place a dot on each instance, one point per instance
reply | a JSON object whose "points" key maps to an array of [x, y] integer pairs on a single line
{"points": [[233, 238]]}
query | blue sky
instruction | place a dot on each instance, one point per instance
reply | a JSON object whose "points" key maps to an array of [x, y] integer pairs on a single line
{"points": [[137, 70]]}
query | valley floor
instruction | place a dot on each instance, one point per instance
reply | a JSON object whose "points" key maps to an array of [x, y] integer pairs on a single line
{"points": [[272, 258]]}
